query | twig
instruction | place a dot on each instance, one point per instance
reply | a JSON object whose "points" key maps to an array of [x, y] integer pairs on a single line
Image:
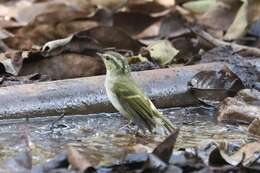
{"points": [[216, 42], [56, 120]]}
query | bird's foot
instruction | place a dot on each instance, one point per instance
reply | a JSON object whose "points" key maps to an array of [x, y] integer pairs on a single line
{"points": [[160, 131], [133, 129], [128, 127]]}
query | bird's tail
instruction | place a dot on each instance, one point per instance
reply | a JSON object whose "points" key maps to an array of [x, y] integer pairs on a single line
{"points": [[168, 124], [165, 123]]}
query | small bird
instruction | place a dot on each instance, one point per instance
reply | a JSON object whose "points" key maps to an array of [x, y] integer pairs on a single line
{"points": [[129, 99]]}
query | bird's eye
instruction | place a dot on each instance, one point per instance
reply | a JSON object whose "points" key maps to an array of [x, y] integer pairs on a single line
{"points": [[107, 58]]}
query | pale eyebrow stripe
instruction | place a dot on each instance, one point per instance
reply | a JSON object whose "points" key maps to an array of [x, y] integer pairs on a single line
{"points": [[117, 65], [116, 58], [122, 61]]}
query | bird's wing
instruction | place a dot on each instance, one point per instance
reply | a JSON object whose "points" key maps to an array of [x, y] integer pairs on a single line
{"points": [[136, 104]]}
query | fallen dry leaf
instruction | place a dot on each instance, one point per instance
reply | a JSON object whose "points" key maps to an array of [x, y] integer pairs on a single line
{"points": [[246, 155], [109, 37], [220, 16], [253, 10], [211, 87], [77, 161], [145, 6], [77, 43], [164, 150], [243, 108], [132, 22], [238, 28], [64, 66], [200, 6], [12, 62], [162, 52], [110, 4], [254, 127]]}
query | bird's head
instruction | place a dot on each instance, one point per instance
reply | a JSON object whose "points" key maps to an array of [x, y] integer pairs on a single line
{"points": [[115, 62]]}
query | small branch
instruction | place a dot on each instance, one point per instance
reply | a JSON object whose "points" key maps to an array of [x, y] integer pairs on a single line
{"points": [[217, 42]]}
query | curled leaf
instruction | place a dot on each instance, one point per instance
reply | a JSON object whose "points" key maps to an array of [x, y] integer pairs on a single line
{"points": [[12, 62], [77, 43], [52, 45], [246, 155], [213, 86]]}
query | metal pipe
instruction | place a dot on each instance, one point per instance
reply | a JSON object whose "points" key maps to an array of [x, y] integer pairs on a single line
{"points": [[166, 87]]}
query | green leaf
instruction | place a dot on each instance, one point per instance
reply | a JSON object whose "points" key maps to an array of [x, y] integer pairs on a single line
{"points": [[162, 51], [200, 6]]}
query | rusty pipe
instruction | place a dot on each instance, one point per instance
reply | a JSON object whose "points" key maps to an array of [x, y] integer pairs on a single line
{"points": [[166, 88]]}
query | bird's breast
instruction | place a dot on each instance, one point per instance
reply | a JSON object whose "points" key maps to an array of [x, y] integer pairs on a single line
{"points": [[109, 85]]}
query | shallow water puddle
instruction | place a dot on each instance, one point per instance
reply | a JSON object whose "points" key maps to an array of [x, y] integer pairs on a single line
{"points": [[104, 137]]}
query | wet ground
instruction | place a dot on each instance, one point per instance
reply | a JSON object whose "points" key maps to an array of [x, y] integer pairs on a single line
{"points": [[104, 137]]}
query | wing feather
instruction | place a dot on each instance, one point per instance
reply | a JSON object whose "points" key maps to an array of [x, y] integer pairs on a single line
{"points": [[136, 104]]}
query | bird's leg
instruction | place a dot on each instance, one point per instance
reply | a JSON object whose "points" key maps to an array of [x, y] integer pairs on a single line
{"points": [[128, 125], [140, 132], [52, 125], [132, 128]]}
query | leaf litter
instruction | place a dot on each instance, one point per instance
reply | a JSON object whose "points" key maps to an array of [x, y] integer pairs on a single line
{"points": [[53, 40]]}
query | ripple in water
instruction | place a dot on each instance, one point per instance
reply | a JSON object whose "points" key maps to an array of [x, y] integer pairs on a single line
{"points": [[103, 137]]}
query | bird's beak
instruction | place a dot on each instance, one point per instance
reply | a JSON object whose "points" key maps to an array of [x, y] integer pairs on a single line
{"points": [[101, 55]]}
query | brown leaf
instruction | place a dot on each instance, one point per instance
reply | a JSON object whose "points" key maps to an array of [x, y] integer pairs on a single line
{"points": [[77, 43], [211, 87], [254, 127], [172, 25], [241, 109], [29, 13], [187, 49], [31, 35], [5, 34], [253, 11], [239, 26], [67, 28], [151, 31], [219, 17], [64, 66], [77, 161], [164, 150], [246, 155], [132, 22], [247, 70], [112, 37], [144, 6], [54, 24], [9, 24], [12, 62]]}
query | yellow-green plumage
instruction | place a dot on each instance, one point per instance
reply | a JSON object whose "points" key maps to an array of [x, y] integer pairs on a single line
{"points": [[128, 98]]}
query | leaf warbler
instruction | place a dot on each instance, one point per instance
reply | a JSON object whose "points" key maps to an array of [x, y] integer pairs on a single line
{"points": [[129, 99]]}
